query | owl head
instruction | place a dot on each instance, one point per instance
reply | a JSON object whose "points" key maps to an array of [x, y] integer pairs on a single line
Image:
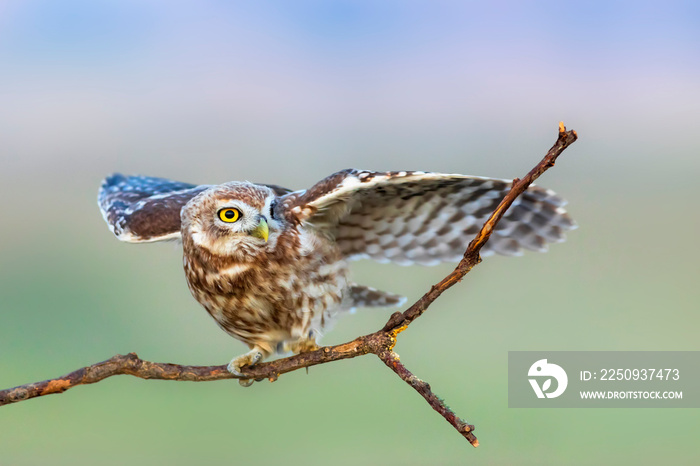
{"points": [[235, 219]]}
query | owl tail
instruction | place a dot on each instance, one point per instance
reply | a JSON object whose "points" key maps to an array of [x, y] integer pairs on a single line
{"points": [[365, 296]]}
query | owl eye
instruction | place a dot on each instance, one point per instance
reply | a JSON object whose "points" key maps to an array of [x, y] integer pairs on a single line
{"points": [[229, 215]]}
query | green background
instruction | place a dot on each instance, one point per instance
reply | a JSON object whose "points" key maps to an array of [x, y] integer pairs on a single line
{"points": [[286, 93]]}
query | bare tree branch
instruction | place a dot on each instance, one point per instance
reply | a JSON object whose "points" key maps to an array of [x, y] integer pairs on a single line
{"points": [[380, 343], [393, 362]]}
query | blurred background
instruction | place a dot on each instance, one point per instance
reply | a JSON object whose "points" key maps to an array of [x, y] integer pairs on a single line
{"points": [[287, 93]]}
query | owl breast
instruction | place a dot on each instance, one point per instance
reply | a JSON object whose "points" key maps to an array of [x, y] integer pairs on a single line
{"points": [[289, 290]]}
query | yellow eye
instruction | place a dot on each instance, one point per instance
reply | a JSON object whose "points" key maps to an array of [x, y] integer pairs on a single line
{"points": [[229, 215]]}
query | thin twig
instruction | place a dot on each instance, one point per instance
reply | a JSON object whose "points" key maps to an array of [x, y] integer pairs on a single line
{"points": [[393, 362], [380, 343]]}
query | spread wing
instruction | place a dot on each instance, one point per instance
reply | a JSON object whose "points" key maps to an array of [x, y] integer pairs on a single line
{"points": [[427, 218], [140, 209]]}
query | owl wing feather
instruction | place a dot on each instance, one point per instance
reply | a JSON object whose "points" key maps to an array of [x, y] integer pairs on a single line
{"points": [[427, 218], [140, 209]]}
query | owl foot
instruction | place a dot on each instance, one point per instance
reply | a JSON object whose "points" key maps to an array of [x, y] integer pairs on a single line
{"points": [[251, 358], [298, 346]]}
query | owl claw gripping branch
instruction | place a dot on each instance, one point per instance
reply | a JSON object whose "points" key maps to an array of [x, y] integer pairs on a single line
{"points": [[251, 358], [270, 265]]}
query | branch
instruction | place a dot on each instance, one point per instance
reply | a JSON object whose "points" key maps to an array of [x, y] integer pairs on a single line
{"points": [[393, 362], [380, 343]]}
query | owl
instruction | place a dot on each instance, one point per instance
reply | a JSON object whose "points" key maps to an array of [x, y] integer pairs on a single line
{"points": [[271, 265]]}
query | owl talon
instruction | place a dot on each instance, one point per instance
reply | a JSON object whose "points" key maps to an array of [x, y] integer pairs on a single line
{"points": [[249, 359], [245, 382], [302, 346]]}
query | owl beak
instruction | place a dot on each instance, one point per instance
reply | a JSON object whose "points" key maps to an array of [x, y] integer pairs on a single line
{"points": [[262, 231]]}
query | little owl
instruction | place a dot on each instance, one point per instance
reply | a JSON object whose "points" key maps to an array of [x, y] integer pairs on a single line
{"points": [[270, 265]]}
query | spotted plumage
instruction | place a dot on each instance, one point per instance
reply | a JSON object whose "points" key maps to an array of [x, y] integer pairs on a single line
{"points": [[271, 265]]}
